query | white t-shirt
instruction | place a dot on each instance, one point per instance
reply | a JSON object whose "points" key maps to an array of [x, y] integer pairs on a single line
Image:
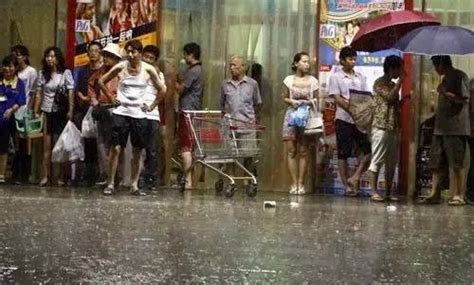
{"points": [[150, 96], [131, 91], [29, 75], [340, 83]]}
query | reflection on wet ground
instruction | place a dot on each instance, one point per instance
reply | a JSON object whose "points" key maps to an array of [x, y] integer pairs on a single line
{"points": [[63, 236]]}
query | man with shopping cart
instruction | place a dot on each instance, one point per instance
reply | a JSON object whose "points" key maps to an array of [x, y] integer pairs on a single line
{"points": [[240, 100], [190, 88]]}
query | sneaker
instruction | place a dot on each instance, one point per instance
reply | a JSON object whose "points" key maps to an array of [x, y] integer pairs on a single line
{"points": [[294, 190], [2, 179], [301, 190]]}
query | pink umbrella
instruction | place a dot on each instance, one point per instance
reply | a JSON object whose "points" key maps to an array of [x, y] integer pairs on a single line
{"points": [[384, 31]]}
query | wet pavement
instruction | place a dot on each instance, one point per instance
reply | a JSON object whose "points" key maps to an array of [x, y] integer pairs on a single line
{"points": [[65, 236]]}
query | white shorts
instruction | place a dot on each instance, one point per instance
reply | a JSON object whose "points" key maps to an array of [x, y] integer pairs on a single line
{"points": [[385, 148]]}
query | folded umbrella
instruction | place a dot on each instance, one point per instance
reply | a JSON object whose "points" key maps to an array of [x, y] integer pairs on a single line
{"points": [[437, 40], [384, 31]]}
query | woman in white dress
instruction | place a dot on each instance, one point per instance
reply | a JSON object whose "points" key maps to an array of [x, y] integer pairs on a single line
{"points": [[299, 88]]}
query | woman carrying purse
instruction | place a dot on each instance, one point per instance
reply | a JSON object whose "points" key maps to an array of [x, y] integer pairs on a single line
{"points": [[299, 88], [55, 100]]}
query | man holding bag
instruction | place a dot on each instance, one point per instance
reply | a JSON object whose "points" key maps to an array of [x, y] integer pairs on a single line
{"points": [[340, 83], [87, 172]]}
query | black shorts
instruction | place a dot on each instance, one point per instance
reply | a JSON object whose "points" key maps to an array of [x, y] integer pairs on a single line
{"points": [[55, 122], [124, 126], [348, 136], [7, 131]]}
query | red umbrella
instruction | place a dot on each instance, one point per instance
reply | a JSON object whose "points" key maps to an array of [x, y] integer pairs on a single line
{"points": [[384, 31]]}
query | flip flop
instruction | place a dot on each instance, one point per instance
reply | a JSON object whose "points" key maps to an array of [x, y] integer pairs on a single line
{"points": [[429, 201], [456, 202], [109, 190], [137, 192], [377, 198]]}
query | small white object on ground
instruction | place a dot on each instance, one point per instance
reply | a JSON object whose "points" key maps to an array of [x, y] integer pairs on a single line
{"points": [[391, 208], [294, 204]]}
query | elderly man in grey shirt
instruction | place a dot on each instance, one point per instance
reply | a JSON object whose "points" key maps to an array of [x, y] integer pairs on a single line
{"points": [[240, 98]]}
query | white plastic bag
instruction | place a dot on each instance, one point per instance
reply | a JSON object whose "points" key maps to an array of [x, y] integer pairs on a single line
{"points": [[89, 125], [69, 146]]}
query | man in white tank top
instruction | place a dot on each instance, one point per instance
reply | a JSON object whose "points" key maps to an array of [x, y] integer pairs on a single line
{"points": [[130, 117]]}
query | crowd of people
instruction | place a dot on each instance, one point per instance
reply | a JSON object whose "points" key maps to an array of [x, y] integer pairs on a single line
{"points": [[125, 91]]}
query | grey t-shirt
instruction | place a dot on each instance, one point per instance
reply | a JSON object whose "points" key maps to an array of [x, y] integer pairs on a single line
{"points": [[191, 96], [49, 88], [452, 118], [240, 100]]}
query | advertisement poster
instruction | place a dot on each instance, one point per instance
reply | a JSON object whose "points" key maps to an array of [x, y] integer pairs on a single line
{"points": [[116, 21], [340, 21]]}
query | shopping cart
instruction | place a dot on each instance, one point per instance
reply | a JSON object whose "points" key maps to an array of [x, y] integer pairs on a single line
{"points": [[220, 143]]}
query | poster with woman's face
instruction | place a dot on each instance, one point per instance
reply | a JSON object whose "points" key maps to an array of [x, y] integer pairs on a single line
{"points": [[114, 21], [96, 19]]}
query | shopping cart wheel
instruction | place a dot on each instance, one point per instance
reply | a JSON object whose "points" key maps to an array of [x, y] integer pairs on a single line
{"points": [[229, 190], [219, 185], [251, 190]]}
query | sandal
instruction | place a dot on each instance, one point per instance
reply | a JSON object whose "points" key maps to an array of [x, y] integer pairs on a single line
{"points": [[109, 190], [376, 198], [43, 182], [137, 192], [429, 201], [456, 202]]}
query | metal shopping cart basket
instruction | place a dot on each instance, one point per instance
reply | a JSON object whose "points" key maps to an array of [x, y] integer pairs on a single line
{"points": [[220, 143]]}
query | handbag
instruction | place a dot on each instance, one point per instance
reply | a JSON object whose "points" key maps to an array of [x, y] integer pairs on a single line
{"points": [[299, 117], [61, 96], [315, 124]]}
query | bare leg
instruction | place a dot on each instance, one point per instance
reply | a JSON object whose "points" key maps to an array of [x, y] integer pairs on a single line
{"points": [[458, 184], [435, 190], [113, 162], [303, 155], [102, 157], [137, 154], [373, 181], [46, 165], [342, 167], [389, 173], [292, 162], [354, 181], [187, 164]]}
